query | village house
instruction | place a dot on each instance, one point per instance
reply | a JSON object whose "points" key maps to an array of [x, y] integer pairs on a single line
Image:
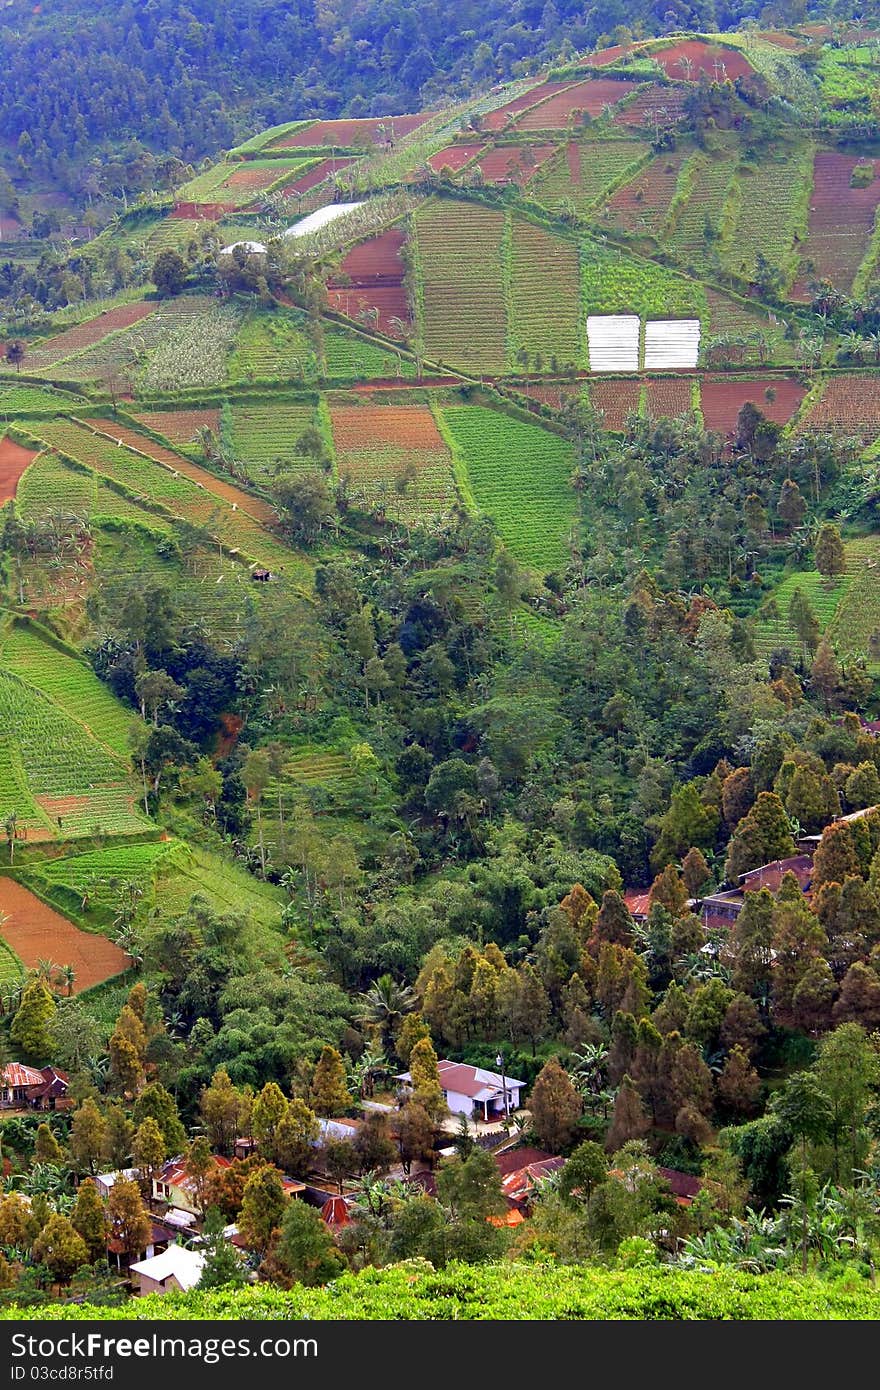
{"points": [[521, 1171], [52, 1094], [16, 1080], [176, 1268], [475, 1092], [173, 1185]]}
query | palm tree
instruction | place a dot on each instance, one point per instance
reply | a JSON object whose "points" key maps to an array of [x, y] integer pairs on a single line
{"points": [[67, 974], [384, 1005], [46, 969]]}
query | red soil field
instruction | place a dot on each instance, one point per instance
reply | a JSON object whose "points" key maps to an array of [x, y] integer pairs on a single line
{"points": [[454, 157], [616, 399], [251, 506], [668, 397], [180, 425], [317, 175], [642, 204], [849, 405], [664, 103], [703, 59], [552, 393], [497, 120], [573, 158], [93, 330], [249, 177], [391, 304], [197, 212], [607, 56], [37, 932], [841, 220], [14, 459], [591, 96], [347, 133], [376, 272], [385, 426], [722, 399], [507, 163]]}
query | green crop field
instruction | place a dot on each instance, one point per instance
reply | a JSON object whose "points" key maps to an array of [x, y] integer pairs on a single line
{"points": [[266, 434], [772, 199], [70, 683], [544, 297], [849, 77], [520, 476], [696, 222], [271, 346], [346, 355], [11, 969], [461, 300], [614, 282], [34, 400]]}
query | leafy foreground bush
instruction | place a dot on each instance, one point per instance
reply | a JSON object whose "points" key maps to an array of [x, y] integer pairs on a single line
{"points": [[509, 1292]]}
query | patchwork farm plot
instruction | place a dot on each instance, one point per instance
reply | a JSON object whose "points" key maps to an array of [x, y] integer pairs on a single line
{"points": [[722, 399], [83, 335], [55, 764], [193, 352], [35, 932], [179, 495], [124, 349], [615, 400], [520, 476], [318, 173], [396, 455], [593, 96], [455, 157], [693, 58], [266, 435], [354, 134], [642, 205], [841, 221], [70, 683], [655, 109], [544, 318], [829, 602], [696, 224], [613, 342], [369, 284], [181, 427], [580, 175], [743, 334], [272, 346], [614, 282], [462, 306], [513, 163], [509, 113], [235, 186], [848, 405], [672, 344], [668, 397], [772, 202], [35, 400]]}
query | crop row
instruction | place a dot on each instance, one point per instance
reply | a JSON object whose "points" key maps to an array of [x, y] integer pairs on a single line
{"points": [[840, 617], [544, 298], [266, 435], [580, 174], [70, 683], [58, 754], [520, 476], [463, 301], [395, 456]]}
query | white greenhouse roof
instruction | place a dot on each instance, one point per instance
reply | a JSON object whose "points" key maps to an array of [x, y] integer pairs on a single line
{"points": [[672, 343], [613, 342], [316, 220]]}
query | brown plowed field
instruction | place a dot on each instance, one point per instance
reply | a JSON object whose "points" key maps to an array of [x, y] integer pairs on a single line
{"points": [[668, 397], [663, 106], [14, 459], [849, 405], [376, 270], [384, 426], [703, 57], [642, 204], [454, 157], [616, 399], [721, 400], [841, 220], [509, 162], [37, 932], [552, 393], [497, 120], [391, 302], [346, 133], [251, 506], [181, 425], [591, 96], [317, 175]]}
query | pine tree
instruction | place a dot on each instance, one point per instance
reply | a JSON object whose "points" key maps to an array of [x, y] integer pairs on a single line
{"points": [[630, 1119], [46, 1148], [148, 1150], [739, 1086], [31, 1026], [830, 555], [157, 1103], [425, 1079], [89, 1219], [270, 1108], [130, 1221], [262, 1207], [88, 1137], [60, 1248], [555, 1106], [329, 1094], [225, 1111], [835, 858]]}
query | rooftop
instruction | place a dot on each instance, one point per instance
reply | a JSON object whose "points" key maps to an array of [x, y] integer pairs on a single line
{"points": [[176, 1262]]}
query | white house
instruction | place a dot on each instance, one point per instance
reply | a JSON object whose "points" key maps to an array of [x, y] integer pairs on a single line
{"points": [[175, 1268], [105, 1181], [474, 1091]]}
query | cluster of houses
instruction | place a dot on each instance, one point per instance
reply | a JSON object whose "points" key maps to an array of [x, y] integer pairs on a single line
{"points": [[719, 910]]}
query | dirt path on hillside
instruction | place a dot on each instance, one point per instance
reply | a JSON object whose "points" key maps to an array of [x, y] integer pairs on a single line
{"points": [[14, 459]]}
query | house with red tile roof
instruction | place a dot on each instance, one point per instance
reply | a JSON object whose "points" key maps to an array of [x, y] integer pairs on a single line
{"points": [[172, 1184], [16, 1080], [474, 1091]]}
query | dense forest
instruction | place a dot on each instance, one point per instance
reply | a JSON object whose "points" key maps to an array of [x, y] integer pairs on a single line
{"points": [[187, 80]]}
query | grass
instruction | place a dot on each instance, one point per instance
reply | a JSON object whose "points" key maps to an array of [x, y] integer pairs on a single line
{"points": [[520, 476]]}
